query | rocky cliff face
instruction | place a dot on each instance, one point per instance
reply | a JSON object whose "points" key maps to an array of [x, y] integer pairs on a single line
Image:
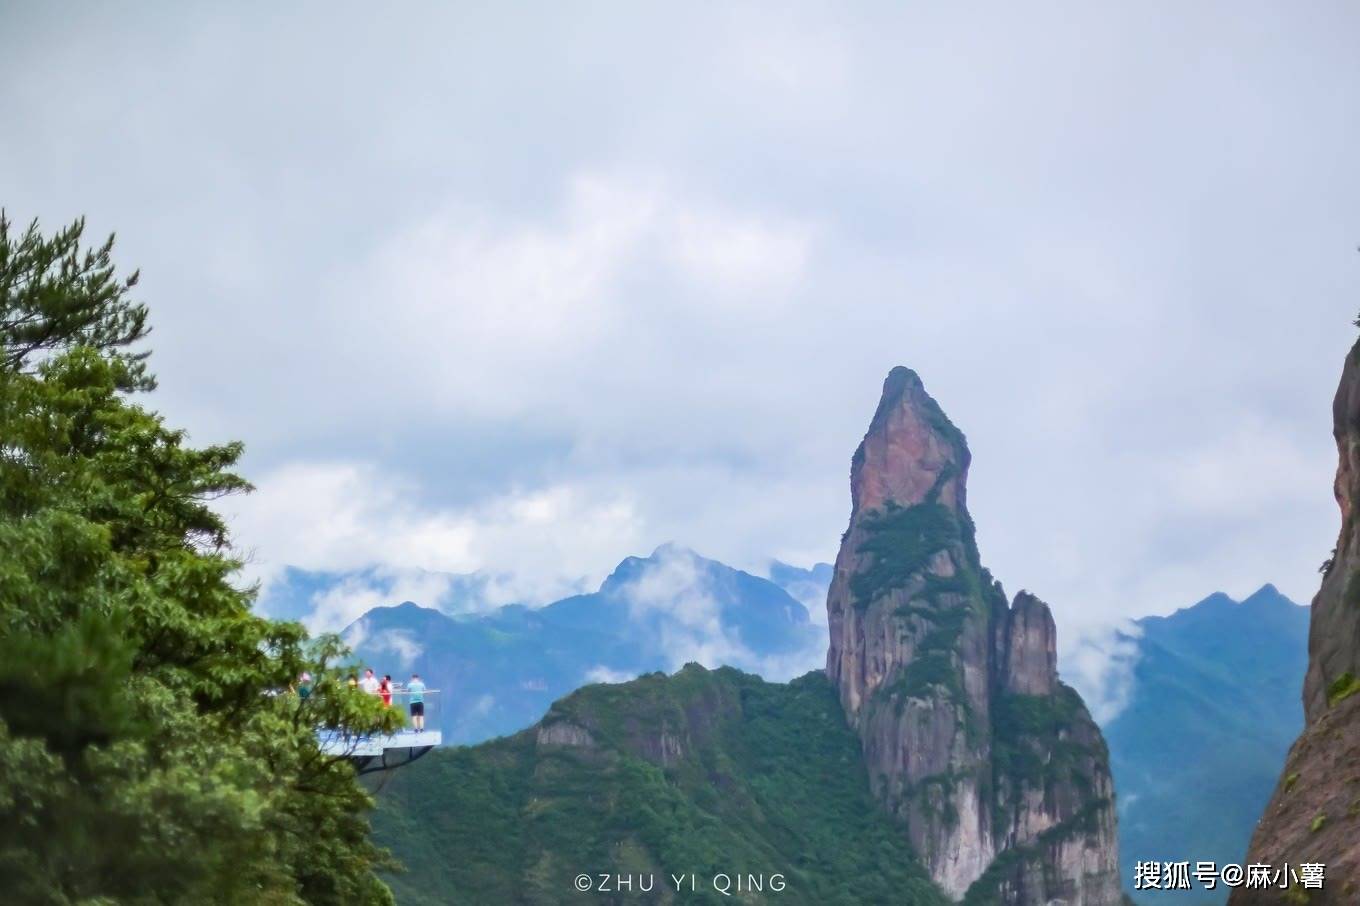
{"points": [[1314, 815], [1334, 633], [992, 765]]}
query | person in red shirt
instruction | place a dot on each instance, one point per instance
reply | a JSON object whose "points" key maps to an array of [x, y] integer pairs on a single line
{"points": [[385, 690]]}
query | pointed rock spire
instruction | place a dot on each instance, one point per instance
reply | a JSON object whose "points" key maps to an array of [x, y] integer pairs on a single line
{"points": [[955, 693]]}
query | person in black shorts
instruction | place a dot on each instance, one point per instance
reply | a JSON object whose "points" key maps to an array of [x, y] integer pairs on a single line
{"points": [[416, 688]]}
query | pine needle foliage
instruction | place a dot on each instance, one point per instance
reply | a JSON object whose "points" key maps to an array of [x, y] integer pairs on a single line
{"points": [[150, 748]]}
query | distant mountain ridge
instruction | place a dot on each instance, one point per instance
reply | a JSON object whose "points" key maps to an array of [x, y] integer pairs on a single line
{"points": [[501, 670], [320, 598], [808, 586], [1214, 705]]}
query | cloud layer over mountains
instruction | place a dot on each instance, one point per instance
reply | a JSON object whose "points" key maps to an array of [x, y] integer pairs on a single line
{"points": [[675, 603], [503, 667], [675, 606], [522, 295]]}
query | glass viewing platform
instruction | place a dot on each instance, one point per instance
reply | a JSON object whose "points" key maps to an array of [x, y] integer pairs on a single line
{"points": [[381, 752]]}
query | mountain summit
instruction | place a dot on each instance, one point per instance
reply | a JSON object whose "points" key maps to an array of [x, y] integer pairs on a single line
{"points": [[992, 764]]}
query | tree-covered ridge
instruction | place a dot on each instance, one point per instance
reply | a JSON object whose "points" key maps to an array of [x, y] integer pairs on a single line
{"points": [[150, 751], [703, 771]]}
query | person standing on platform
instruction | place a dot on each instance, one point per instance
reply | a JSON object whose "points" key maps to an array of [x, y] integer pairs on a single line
{"points": [[416, 687]]}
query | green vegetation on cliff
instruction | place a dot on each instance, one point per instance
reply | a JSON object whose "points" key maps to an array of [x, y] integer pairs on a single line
{"points": [[1042, 742], [935, 664], [1342, 688], [703, 772], [902, 540], [1032, 733]]}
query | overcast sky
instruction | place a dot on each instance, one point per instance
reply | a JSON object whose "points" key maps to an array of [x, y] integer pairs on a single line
{"points": [[530, 288]]}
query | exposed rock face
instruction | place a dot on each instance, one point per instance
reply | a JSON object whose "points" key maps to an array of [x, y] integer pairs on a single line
{"points": [[993, 766], [1334, 632], [1029, 657], [564, 733], [1314, 814]]}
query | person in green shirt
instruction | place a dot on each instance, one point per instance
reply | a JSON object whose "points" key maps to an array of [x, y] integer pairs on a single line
{"points": [[416, 687]]}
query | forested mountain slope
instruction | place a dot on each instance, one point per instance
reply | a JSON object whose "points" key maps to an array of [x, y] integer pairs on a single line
{"points": [[703, 772]]}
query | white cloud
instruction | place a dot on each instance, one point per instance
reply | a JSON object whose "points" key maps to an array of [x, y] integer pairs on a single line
{"points": [[493, 310], [673, 598], [1236, 475], [537, 326], [330, 516], [602, 674], [1099, 665], [812, 595], [338, 605], [399, 643], [739, 256], [356, 634]]}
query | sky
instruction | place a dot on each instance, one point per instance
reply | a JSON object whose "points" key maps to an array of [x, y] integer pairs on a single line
{"points": [[528, 288]]}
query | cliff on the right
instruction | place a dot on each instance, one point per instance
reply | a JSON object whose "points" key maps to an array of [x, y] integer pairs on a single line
{"points": [[1313, 818]]}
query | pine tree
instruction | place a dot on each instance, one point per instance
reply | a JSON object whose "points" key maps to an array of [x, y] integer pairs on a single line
{"points": [[150, 751]]}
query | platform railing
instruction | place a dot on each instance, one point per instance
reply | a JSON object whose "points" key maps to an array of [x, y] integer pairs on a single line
{"points": [[340, 741]]}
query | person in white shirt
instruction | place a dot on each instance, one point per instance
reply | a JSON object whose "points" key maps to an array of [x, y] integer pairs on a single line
{"points": [[370, 682]]}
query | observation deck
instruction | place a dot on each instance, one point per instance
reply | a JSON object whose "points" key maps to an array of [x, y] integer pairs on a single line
{"points": [[383, 752]]}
